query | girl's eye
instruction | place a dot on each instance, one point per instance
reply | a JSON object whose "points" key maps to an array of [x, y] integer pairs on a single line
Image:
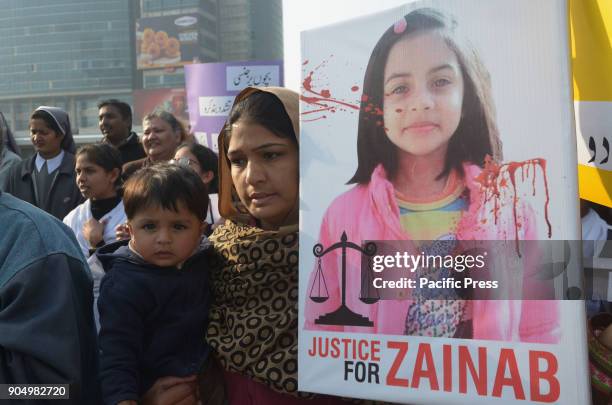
{"points": [[400, 89], [438, 83], [179, 227], [148, 227]]}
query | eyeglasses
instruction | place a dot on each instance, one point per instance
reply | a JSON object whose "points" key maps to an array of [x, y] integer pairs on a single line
{"points": [[184, 161]]}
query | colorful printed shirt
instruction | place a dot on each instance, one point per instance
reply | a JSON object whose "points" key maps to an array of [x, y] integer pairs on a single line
{"points": [[432, 224]]}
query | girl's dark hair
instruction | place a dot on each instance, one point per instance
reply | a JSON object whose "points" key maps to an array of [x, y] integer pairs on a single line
{"points": [[208, 160], [165, 185], [477, 134], [263, 109], [104, 155]]}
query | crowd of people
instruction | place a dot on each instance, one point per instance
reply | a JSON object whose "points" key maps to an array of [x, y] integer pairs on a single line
{"points": [[173, 277], [163, 224]]}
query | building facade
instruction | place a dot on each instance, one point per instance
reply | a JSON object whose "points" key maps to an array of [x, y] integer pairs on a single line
{"points": [[74, 53], [250, 29], [67, 53]]}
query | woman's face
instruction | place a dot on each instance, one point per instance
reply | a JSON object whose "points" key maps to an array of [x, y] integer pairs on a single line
{"points": [[265, 173], [46, 141], [159, 140], [423, 94], [94, 181]]}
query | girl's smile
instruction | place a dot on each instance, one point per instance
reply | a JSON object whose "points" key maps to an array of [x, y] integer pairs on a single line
{"points": [[421, 127]]}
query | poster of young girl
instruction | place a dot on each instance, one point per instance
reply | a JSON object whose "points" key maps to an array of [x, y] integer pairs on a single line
{"points": [[427, 130]]}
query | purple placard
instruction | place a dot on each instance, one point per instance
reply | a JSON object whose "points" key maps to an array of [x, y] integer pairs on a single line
{"points": [[211, 88]]}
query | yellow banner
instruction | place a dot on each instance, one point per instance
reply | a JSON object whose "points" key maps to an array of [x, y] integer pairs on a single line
{"points": [[591, 41]]}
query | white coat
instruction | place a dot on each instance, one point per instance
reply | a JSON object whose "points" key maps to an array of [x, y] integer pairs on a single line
{"points": [[82, 213]]}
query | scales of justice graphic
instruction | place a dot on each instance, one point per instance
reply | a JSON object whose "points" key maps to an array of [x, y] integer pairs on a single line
{"points": [[343, 315]]}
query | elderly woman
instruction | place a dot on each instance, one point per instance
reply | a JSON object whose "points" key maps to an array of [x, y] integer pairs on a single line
{"points": [[162, 133]]}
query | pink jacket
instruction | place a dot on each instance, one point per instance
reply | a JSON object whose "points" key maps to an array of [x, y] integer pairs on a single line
{"points": [[370, 212]]}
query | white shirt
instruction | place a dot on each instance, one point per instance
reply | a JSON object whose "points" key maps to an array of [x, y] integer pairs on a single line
{"points": [[214, 208], [594, 228], [52, 163], [82, 213]]}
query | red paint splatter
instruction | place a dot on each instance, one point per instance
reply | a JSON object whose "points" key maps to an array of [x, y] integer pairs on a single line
{"points": [[322, 98], [355, 88], [316, 119], [305, 62], [492, 180], [332, 109], [364, 98]]}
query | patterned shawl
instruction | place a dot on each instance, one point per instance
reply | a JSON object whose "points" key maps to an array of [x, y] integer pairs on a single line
{"points": [[254, 318]]}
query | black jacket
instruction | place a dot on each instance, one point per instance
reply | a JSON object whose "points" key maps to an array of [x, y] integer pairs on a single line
{"points": [[152, 321], [47, 332], [64, 193], [131, 149]]}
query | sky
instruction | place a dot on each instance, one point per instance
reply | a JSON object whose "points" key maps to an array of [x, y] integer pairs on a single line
{"points": [[300, 15]]}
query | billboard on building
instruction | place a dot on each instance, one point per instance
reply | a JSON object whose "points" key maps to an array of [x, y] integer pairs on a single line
{"points": [[167, 41], [211, 88], [152, 100]]}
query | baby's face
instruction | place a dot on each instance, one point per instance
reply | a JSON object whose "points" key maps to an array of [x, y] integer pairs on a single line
{"points": [[163, 237]]}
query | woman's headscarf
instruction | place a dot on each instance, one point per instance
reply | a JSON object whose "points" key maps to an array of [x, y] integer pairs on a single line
{"points": [[63, 123], [7, 138], [227, 194]]}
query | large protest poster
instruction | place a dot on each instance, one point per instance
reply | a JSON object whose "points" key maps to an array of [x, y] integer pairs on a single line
{"points": [[592, 63], [211, 88], [441, 130]]}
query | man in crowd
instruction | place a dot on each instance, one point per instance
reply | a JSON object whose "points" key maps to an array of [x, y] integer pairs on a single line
{"points": [[115, 121], [47, 329]]}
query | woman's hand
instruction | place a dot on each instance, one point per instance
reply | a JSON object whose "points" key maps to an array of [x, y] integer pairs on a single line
{"points": [[122, 231], [172, 391], [93, 231]]}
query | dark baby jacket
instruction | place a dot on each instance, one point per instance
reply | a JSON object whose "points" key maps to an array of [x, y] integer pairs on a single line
{"points": [[153, 321]]}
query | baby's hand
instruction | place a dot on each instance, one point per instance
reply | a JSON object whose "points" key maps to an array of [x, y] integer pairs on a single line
{"points": [[172, 391]]}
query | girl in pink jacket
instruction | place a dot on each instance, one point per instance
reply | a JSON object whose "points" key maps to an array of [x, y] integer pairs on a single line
{"points": [[429, 169]]}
